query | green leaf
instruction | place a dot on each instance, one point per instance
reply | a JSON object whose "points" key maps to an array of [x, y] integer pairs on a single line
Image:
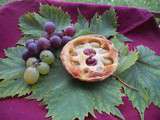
{"points": [[13, 66], [58, 16], [64, 95], [120, 46], [105, 24], [31, 24], [126, 62], [144, 75], [148, 57], [126, 58], [11, 88], [82, 26]]}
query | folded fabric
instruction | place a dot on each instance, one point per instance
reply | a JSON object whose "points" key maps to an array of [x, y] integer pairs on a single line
{"points": [[137, 24]]}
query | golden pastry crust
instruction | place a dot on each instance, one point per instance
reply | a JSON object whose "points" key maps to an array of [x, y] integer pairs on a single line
{"points": [[74, 59]]}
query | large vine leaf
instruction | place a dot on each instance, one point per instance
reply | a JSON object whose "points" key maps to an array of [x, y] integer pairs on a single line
{"points": [[145, 76], [105, 24], [31, 24], [67, 98]]}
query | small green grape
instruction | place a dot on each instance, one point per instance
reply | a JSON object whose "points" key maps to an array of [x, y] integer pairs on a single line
{"points": [[47, 56], [31, 75], [31, 61], [43, 68]]}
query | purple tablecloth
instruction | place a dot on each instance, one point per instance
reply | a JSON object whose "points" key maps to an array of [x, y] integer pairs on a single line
{"points": [[137, 24]]}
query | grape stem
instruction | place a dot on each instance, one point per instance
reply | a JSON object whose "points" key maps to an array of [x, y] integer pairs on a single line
{"points": [[124, 83], [35, 64]]}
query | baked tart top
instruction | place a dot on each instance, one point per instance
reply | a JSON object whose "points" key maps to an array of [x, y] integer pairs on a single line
{"points": [[90, 58]]}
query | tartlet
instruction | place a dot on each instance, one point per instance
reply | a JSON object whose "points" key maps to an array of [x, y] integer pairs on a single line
{"points": [[90, 58]]}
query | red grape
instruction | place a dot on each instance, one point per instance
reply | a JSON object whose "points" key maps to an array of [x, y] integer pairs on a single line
{"points": [[49, 27], [66, 39], [55, 41], [60, 34], [70, 31], [46, 35], [43, 43], [91, 61], [89, 52], [26, 54], [32, 47], [29, 41]]}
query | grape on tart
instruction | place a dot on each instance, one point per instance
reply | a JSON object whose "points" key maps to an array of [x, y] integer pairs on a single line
{"points": [[90, 58]]}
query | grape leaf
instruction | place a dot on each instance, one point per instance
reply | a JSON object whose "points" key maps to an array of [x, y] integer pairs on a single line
{"points": [[12, 67], [148, 56], [126, 62], [145, 76], [105, 24], [67, 98], [58, 16], [82, 26], [126, 58], [120, 46], [11, 88], [31, 24]]}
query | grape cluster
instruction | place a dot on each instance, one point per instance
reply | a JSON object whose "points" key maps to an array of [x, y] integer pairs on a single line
{"points": [[39, 53]]}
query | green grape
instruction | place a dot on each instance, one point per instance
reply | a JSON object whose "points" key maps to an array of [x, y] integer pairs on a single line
{"points": [[31, 75], [47, 56], [31, 61], [43, 68]]}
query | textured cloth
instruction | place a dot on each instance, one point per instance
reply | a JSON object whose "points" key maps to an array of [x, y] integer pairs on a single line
{"points": [[137, 24]]}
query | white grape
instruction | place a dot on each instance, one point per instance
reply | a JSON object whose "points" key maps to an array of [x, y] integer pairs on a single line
{"points": [[47, 56], [31, 61], [31, 75], [43, 68]]}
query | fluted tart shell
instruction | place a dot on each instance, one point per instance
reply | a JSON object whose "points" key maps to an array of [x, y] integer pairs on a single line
{"points": [[74, 59]]}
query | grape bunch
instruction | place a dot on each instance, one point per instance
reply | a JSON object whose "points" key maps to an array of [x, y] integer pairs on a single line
{"points": [[51, 40], [39, 53]]}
